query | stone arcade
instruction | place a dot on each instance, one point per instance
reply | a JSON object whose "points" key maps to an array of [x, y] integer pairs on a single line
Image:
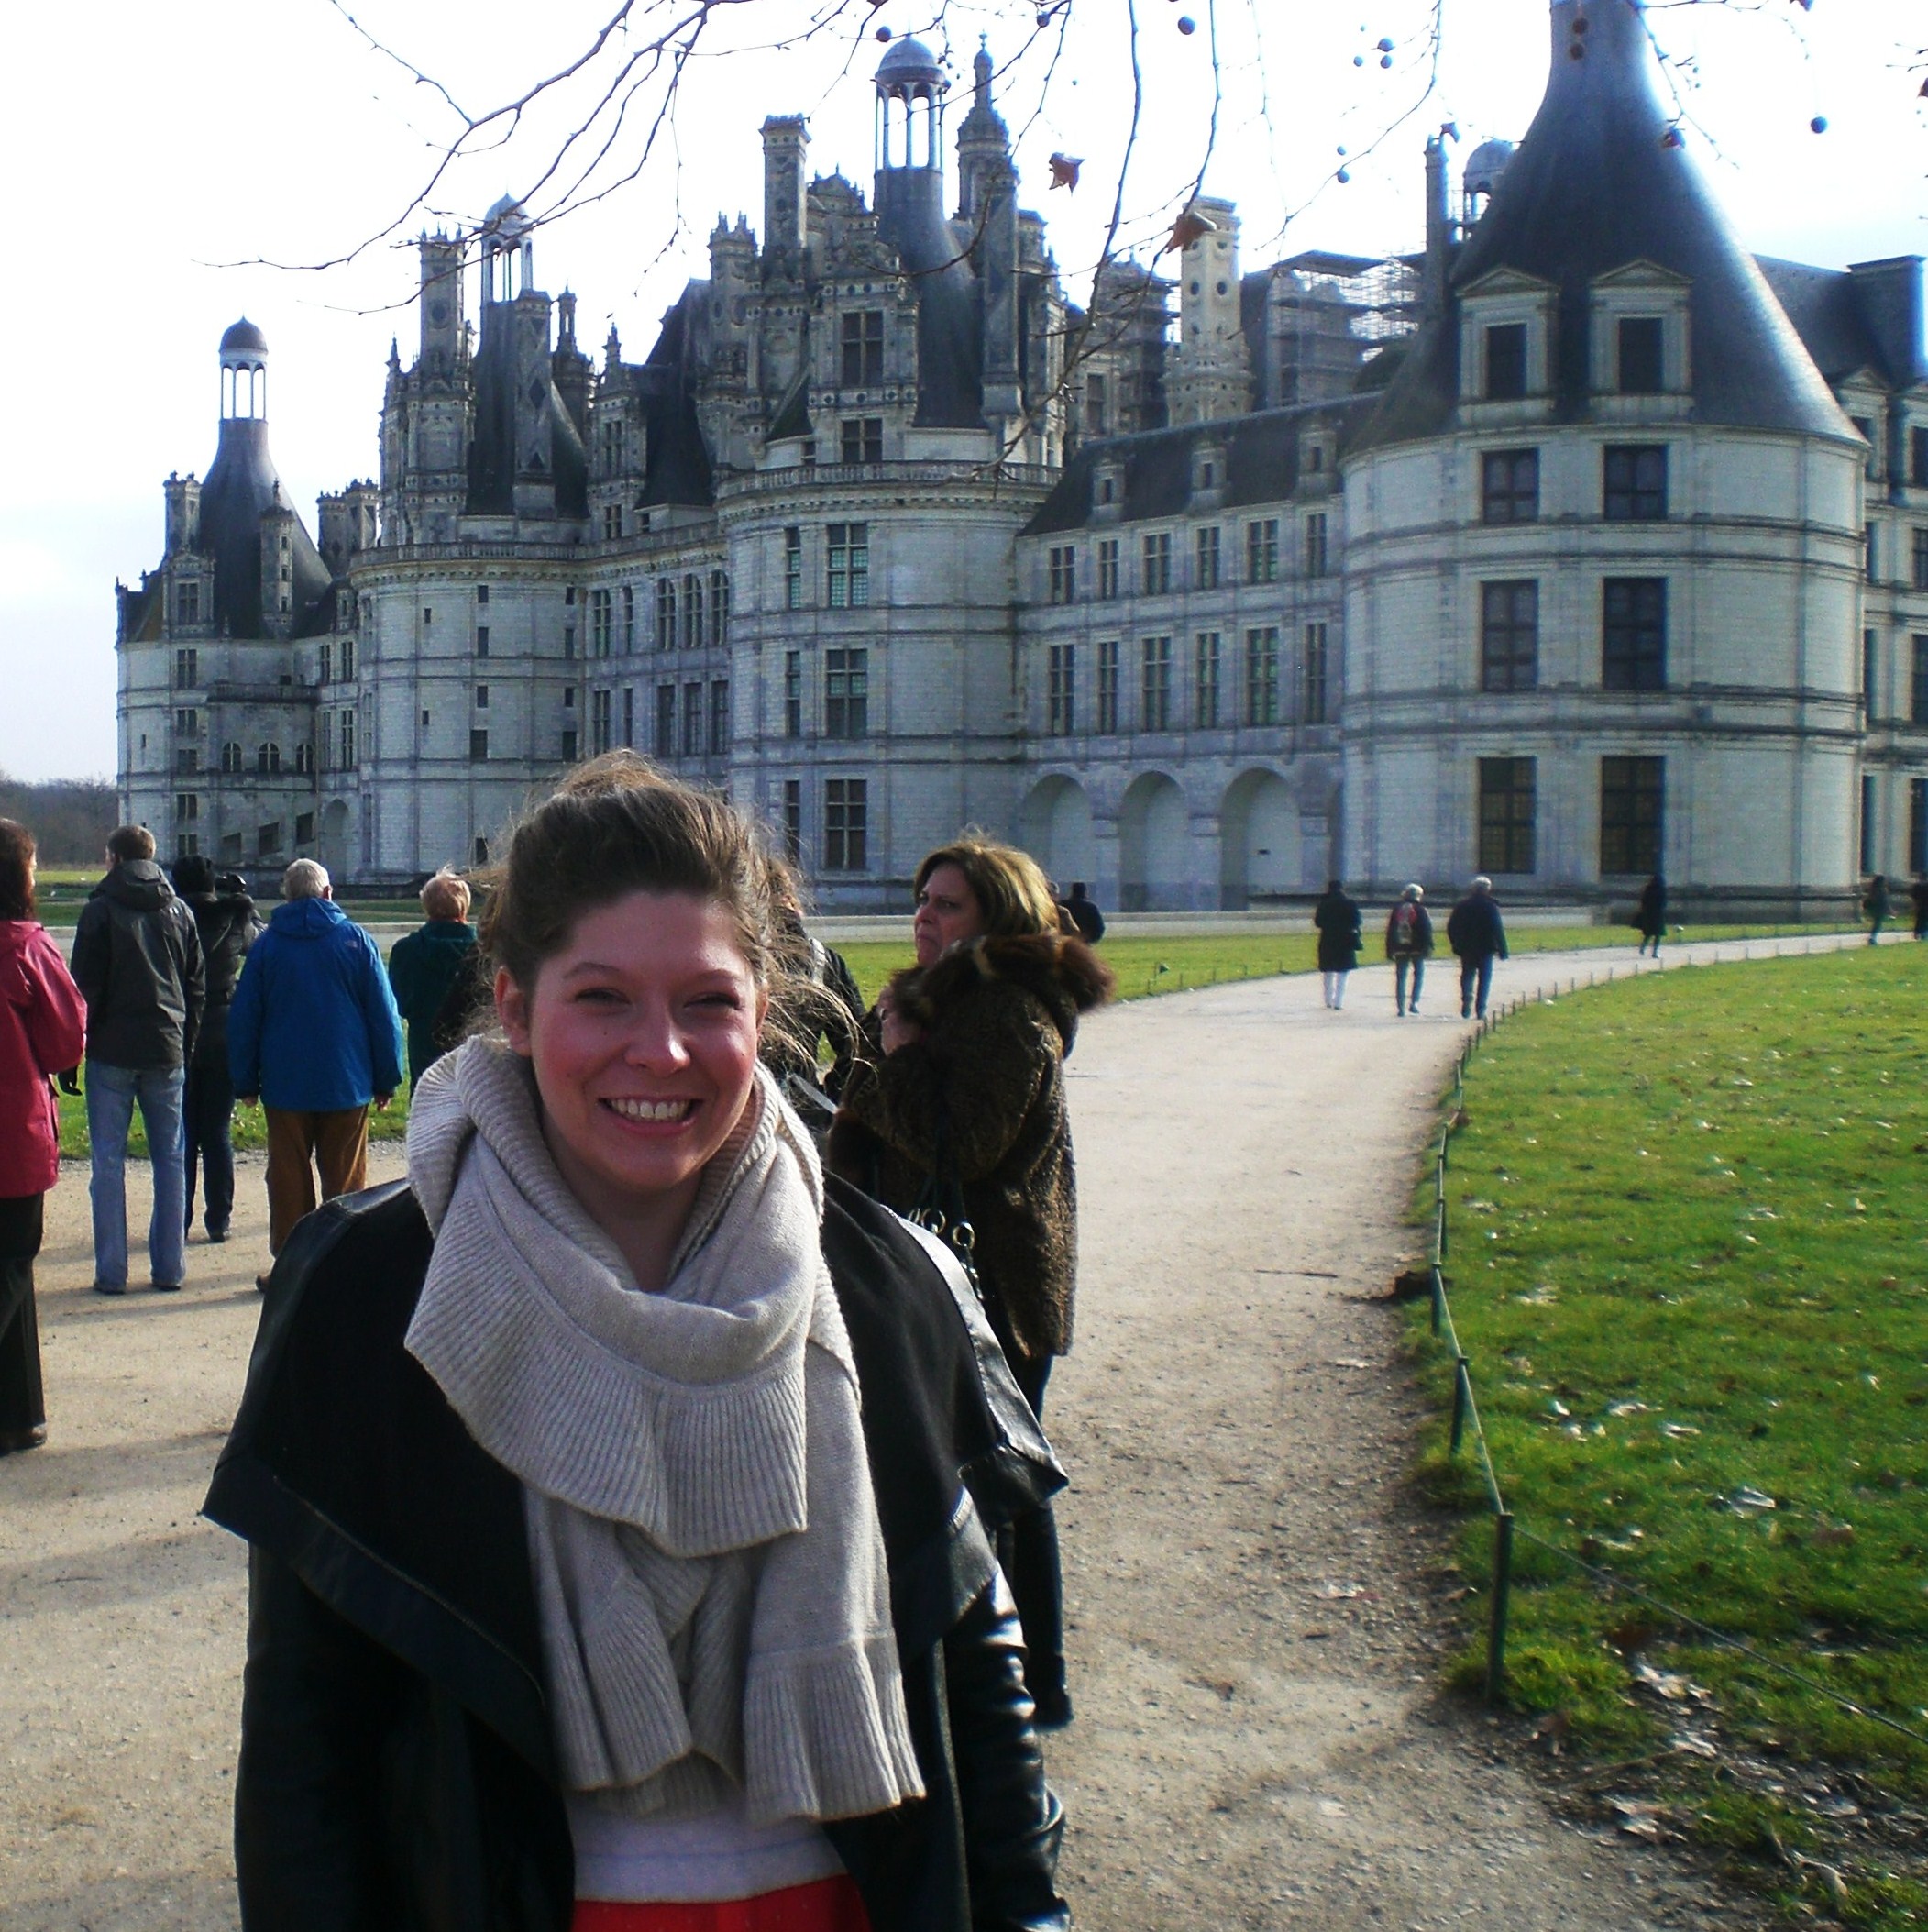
{"points": [[1579, 544]]}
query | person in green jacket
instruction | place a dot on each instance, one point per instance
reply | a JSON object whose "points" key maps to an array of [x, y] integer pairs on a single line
{"points": [[423, 964]]}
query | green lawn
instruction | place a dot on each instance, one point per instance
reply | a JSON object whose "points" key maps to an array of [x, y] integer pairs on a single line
{"points": [[1689, 1263]]}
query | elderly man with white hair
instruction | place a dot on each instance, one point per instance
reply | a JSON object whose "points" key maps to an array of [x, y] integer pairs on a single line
{"points": [[314, 1034]]}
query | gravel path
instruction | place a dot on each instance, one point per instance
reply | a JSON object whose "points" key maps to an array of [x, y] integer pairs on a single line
{"points": [[1257, 1744]]}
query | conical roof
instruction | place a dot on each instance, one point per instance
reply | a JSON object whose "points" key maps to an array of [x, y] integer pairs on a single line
{"points": [[1603, 180]]}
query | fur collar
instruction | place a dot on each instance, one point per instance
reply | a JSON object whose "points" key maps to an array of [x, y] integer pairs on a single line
{"points": [[1062, 973]]}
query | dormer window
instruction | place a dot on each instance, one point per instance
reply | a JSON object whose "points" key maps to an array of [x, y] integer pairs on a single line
{"points": [[1316, 459], [1642, 358], [1506, 362], [1208, 476]]}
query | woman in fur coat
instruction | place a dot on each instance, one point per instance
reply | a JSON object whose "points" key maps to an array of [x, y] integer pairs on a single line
{"points": [[963, 1095]]}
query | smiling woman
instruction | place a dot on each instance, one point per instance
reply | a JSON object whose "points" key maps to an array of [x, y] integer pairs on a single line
{"points": [[611, 1441]]}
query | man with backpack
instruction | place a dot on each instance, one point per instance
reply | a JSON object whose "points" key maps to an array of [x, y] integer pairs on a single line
{"points": [[1409, 943]]}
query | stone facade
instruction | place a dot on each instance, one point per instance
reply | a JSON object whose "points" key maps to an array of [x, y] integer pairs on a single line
{"points": [[1572, 546]]}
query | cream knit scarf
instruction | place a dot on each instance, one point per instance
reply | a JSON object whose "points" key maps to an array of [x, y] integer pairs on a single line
{"points": [[709, 1566]]}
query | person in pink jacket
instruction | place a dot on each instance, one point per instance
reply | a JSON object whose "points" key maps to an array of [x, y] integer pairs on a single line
{"points": [[43, 1032]]}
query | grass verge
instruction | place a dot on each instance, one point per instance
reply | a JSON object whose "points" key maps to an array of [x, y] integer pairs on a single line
{"points": [[1688, 1264]]}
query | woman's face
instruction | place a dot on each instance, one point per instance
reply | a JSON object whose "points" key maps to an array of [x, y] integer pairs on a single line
{"points": [[947, 913], [643, 1033]]}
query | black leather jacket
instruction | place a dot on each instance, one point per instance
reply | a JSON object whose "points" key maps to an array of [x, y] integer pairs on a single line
{"points": [[396, 1761]]}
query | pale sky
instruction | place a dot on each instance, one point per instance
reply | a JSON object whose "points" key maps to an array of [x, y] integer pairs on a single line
{"points": [[154, 143]]}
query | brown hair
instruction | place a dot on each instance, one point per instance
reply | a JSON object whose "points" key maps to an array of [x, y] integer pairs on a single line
{"points": [[125, 842], [618, 825], [444, 895], [1009, 886], [16, 880]]}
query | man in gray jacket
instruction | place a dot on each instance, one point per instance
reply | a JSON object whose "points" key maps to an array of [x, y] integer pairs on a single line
{"points": [[137, 960]]}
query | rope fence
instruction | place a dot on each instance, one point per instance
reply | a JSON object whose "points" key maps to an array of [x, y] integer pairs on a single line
{"points": [[1466, 1424]]}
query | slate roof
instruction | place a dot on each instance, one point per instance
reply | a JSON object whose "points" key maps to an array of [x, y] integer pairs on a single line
{"points": [[950, 366], [1867, 318], [1262, 465], [241, 484], [1600, 182]]}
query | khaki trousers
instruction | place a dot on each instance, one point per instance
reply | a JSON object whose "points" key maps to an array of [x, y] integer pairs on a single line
{"points": [[337, 1142]]}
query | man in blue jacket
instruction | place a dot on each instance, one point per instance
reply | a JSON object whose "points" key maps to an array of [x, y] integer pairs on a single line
{"points": [[314, 1034]]}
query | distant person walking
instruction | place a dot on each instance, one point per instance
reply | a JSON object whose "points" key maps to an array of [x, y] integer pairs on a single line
{"points": [[1409, 944], [43, 1032], [1651, 917], [424, 964], [1085, 914], [1337, 919], [314, 1034], [1878, 906], [1478, 935], [1918, 892], [226, 918], [137, 959]]}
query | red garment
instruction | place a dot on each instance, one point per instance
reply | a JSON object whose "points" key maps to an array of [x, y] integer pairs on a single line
{"points": [[43, 1032], [830, 1904]]}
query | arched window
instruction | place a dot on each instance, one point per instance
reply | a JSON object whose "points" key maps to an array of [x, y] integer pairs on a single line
{"points": [[305, 758], [230, 756], [268, 759]]}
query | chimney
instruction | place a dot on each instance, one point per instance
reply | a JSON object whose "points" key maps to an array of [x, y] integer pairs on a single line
{"points": [[1438, 230], [785, 138]]}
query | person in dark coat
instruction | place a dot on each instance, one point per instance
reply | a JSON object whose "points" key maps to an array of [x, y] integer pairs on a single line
{"points": [[1651, 917], [227, 923], [1918, 892], [1338, 922], [1084, 913], [619, 1492], [1409, 944], [1878, 906], [137, 960], [1478, 936], [824, 1010], [43, 1032], [425, 964], [961, 1104]]}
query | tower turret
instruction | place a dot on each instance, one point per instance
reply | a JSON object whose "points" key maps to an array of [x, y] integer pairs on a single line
{"points": [[786, 137], [440, 258], [1211, 377], [244, 374]]}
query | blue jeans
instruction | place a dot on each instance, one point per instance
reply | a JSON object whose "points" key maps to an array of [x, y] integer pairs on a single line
{"points": [[1475, 977], [1416, 962], [112, 1093]]}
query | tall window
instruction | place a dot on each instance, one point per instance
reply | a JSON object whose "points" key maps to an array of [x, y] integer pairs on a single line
{"points": [[187, 805], [1870, 676], [665, 720], [1206, 679], [1635, 482], [861, 439], [629, 618], [1871, 559], [325, 727], [629, 716], [1158, 563], [1919, 539], [1155, 685], [1642, 368], [1918, 825], [611, 522], [1315, 558], [1918, 695], [847, 825], [793, 820], [1205, 575], [793, 568], [598, 721], [232, 757], [187, 758], [719, 608], [1509, 635], [1107, 567], [1063, 583], [1918, 458], [1262, 550], [477, 744], [351, 754], [1869, 860], [1509, 486], [1094, 405], [348, 659], [1262, 675], [666, 614], [1634, 634], [481, 697], [846, 693], [692, 612], [793, 694], [325, 658], [481, 637], [1107, 687], [693, 719], [187, 721], [719, 716], [1508, 812], [1506, 362], [268, 759], [1632, 794], [187, 666], [847, 553], [1060, 691], [598, 624], [863, 340], [1314, 709], [187, 602]]}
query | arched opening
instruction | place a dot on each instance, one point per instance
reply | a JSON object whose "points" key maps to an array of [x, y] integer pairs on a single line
{"points": [[1152, 847], [1258, 841], [334, 852], [1054, 827]]}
